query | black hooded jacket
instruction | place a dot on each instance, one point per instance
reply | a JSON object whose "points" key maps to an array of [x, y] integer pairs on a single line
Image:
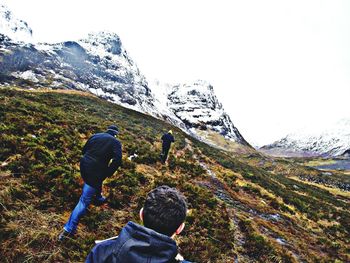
{"points": [[135, 244], [98, 151], [167, 139]]}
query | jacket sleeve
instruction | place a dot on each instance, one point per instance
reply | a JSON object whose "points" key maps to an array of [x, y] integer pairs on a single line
{"points": [[116, 160], [100, 253], [93, 256], [85, 147]]}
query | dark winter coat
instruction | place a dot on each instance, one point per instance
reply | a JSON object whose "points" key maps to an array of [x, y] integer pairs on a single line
{"points": [[167, 139], [135, 244], [98, 151]]}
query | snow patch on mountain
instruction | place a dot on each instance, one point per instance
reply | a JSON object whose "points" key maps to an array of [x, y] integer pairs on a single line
{"points": [[14, 28], [26, 75], [99, 64], [197, 107], [107, 49], [160, 93], [330, 142]]}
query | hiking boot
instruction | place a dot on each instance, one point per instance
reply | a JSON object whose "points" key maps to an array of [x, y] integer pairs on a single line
{"points": [[64, 235]]}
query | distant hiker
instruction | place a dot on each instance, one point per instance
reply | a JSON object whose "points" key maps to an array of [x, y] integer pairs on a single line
{"points": [[167, 139], [102, 155], [163, 216]]}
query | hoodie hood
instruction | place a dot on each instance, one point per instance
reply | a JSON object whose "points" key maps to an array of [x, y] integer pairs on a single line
{"points": [[136, 244]]}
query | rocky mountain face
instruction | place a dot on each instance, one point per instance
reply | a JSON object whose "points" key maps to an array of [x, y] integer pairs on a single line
{"points": [[198, 108], [327, 143], [99, 64]]}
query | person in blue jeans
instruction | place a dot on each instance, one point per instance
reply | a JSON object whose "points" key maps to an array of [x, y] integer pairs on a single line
{"points": [[163, 216], [102, 155]]}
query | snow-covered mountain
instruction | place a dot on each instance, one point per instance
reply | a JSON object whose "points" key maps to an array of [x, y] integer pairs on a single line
{"points": [[330, 142], [12, 27], [99, 64], [198, 108]]}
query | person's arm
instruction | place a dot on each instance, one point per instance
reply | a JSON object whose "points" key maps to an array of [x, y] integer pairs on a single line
{"points": [[116, 160], [85, 147], [100, 253], [87, 144]]}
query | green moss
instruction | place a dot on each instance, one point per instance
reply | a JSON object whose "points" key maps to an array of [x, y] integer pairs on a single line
{"points": [[41, 137]]}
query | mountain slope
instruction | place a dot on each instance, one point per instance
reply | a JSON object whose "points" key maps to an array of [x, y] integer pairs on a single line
{"points": [[253, 209], [99, 64], [331, 142], [197, 108]]}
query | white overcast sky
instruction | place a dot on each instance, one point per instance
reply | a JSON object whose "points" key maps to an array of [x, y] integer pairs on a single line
{"points": [[275, 65]]}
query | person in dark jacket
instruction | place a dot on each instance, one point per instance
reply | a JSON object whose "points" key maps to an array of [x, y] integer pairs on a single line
{"points": [[167, 139], [102, 155], [163, 216]]}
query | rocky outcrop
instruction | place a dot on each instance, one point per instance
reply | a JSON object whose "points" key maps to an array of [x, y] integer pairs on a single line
{"points": [[197, 107], [99, 64]]}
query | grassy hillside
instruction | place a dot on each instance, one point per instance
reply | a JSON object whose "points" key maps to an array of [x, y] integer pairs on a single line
{"points": [[246, 208]]}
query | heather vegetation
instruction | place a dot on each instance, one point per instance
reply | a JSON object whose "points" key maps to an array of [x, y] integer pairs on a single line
{"points": [[248, 208]]}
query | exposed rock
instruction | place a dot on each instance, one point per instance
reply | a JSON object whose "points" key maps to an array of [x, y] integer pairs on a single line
{"points": [[99, 64]]}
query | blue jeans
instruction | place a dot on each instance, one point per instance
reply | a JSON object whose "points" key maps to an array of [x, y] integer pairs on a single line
{"points": [[88, 194]]}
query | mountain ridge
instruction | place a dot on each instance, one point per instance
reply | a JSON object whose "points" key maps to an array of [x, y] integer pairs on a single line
{"points": [[100, 64], [329, 142], [197, 106]]}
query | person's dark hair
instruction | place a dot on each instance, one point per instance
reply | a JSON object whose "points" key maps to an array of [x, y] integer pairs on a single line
{"points": [[164, 210], [113, 130]]}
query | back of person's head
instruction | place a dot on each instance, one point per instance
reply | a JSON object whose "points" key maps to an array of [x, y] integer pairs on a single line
{"points": [[164, 210], [113, 130], [170, 132]]}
